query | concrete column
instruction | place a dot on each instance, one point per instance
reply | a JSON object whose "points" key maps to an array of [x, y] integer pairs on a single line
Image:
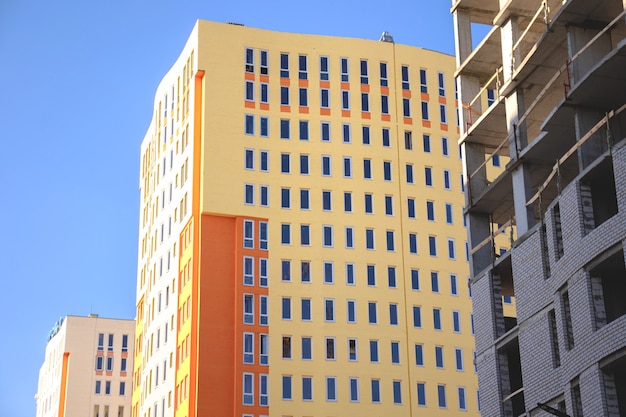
{"points": [[462, 35], [509, 33]]}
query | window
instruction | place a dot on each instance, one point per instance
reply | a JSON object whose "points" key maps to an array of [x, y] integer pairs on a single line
{"points": [[442, 89], [434, 281], [305, 309], [409, 173], [328, 273], [284, 96], [451, 250], [423, 86], [326, 165], [304, 130], [302, 67], [390, 241], [98, 387], [369, 239], [109, 364], [386, 137], [426, 140], [286, 347], [374, 351], [367, 168], [432, 245], [413, 243], [349, 237], [284, 65], [441, 395], [384, 104], [285, 267], [331, 388], [263, 310], [303, 94], [249, 88], [419, 355], [306, 348], [329, 310], [430, 210], [425, 110], [307, 388], [263, 235], [325, 98], [458, 355], [375, 390], [263, 390], [123, 360], [371, 275], [415, 279], [405, 77], [347, 167], [456, 321], [462, 403], [345, 100], [285, 194], [327, 236], [325, 132], [347, 202], [248, 308], [411, 208], [446, 179], [364, 77], [408, 140], [249, 125], [444, 146], [365, 102], [285, 128], [439, 356], [393, 314], [406, 107], [285, 234], [437, 318], [286, 387], [264, 161], [389, 205], [365, 134], [354, 390], [397, 392], [344, 70], [286, 308], [449, 213], [248, 194], [264, 93], [350, 274], [305, 271], [304, 200], [387, 170], [351, 313], [284, 163], [352, 350], [371, 310], [248, 270], [248, 348], [324, 75], [442, 116], [428, 176], [330, 348], [368, 203], [453, 285], [383, 74], [417, 316], [391, 276], [249, 159], [305, 235], [249, 60], [107, 387], [421, 394]]}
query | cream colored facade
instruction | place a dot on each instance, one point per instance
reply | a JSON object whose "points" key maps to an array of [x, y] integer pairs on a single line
{"points": [[270, 154], [87, 370]]}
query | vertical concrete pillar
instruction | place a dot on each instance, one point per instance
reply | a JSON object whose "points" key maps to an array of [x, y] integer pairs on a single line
{"points": [[462, 35]]}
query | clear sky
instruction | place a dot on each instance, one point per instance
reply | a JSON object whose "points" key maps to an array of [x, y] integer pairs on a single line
{"points": [[77, 83]]}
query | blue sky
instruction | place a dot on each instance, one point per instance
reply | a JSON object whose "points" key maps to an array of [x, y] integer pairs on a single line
{"points": [[77, 80]]}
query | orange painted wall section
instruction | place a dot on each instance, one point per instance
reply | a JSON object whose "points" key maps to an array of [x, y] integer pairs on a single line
{"points": [[62, 394], [216, 317]]}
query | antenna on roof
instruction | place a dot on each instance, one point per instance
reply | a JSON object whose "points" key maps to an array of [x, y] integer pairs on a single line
{"points": [[386, 37]]}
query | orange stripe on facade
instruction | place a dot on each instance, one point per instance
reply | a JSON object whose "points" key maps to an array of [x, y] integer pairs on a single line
{"points": [[425, 123], [249, 76], [443, 127], [285, 109], [285, 81], [345, 86], [424, 96], [365, 88], [408, 121], [249, 104], [366, 115], [264, 78], [384, 90], [406, 93], [303, 110], [62, 394], [303, 83], [324, 84], [345, 113], [385, 118], [325, 112], [442, 100], [264, 106]]}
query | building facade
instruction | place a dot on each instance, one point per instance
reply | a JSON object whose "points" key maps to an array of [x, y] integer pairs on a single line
{"points": [[301, 244], [546, 88], [87, 370]]}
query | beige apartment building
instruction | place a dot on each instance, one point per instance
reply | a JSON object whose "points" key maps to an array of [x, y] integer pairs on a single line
{"points": [[87, 369]]}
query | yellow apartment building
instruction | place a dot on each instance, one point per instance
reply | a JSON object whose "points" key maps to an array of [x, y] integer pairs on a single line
{"points": [[302, 249]]}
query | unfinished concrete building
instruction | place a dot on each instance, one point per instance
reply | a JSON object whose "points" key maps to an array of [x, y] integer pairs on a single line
{"points": [[546, 90]]}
